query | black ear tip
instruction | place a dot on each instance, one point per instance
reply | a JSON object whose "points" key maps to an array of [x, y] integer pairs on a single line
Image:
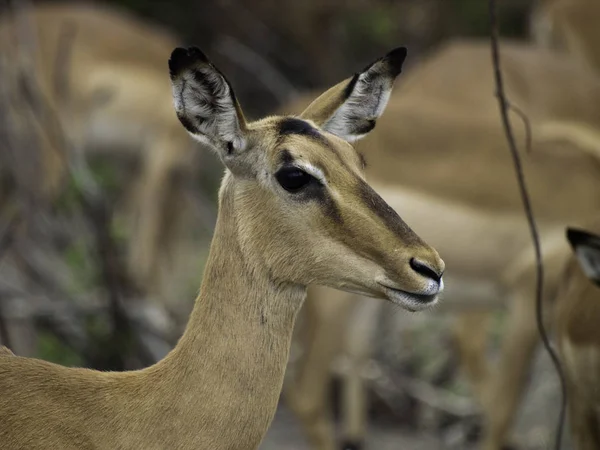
{"points": [[574, 236], [396, 59], [398, 52], [182, 59], [577, 237]]}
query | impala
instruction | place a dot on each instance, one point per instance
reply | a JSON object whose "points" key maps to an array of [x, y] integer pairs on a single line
{"points": [[569, 26], [294, 209], [440, 152], [577, 316]]}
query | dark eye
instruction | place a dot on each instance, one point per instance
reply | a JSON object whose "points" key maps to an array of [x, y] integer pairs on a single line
{"points": [[293, 179]]}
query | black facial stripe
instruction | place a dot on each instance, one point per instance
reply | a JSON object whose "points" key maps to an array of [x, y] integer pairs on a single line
{"points": [[316, 192], [292, 125], [329, 206], [385, 212]]}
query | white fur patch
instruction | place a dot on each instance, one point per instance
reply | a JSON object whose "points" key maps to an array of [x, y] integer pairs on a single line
{"points": [[312, 170]]}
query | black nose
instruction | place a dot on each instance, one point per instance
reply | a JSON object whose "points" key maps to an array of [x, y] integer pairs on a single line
{"points": [[425, 270]]}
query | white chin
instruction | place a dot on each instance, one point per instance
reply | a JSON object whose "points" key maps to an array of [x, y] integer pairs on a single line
{"points": [[412, 302]]}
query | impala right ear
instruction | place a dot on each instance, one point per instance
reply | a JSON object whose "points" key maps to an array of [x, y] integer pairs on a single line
{"points": [[587, 250], [351, 108], [205, 103]]}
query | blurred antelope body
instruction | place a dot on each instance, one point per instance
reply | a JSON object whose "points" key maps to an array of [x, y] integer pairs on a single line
{"points": [[116, 98], [441, 152], [298, 178], [577, 317], [570, 26]]}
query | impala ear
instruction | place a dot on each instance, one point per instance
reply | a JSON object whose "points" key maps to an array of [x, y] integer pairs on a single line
{"points": [[351, 108], [205, 103], [587, 250]]}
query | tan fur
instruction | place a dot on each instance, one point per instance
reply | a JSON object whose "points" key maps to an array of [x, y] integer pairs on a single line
{"points": [[219, 388], [440, 151], [577, 315], [118, 100], [570, 26], [4, 351]]}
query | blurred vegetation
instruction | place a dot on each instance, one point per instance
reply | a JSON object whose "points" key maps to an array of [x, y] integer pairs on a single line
{"points": [[50, 348], [314, 43]]}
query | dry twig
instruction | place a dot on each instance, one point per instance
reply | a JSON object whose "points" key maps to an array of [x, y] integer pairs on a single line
{"points": [[504, 108]]}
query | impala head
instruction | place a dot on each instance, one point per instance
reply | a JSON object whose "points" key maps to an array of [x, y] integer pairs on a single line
{"points": [[295, 185], [587, 251]]}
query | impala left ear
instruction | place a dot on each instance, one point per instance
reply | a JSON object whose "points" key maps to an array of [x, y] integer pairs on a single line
{"points": [[587, 250], [351, 108]]}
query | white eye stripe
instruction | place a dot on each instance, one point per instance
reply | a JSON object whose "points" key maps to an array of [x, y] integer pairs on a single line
{"points": [[312, 170]]}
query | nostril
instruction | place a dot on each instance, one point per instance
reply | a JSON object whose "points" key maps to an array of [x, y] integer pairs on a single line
{"points": [[425, 270]]}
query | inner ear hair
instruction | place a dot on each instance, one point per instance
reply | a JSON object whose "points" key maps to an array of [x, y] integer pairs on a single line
{"points": [[350, 109], [205, 102]]}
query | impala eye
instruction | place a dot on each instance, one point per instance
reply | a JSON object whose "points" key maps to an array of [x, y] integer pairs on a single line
{"points": [[293, 179]]}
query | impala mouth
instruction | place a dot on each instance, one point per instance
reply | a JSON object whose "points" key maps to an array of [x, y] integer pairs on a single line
{"points": [[410, 300]]}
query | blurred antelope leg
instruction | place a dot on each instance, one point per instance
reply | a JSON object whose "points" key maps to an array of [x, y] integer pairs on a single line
{"points": [[326, 316]]}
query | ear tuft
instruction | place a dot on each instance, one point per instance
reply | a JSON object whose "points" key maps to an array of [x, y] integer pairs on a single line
{"points": [[183, 59]]}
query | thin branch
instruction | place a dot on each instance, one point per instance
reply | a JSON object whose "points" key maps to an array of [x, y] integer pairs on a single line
{"points": [[504, 107], [526, 122]]}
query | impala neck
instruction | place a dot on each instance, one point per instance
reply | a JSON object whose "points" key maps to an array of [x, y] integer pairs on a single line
{"points": [[226, 372]]}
